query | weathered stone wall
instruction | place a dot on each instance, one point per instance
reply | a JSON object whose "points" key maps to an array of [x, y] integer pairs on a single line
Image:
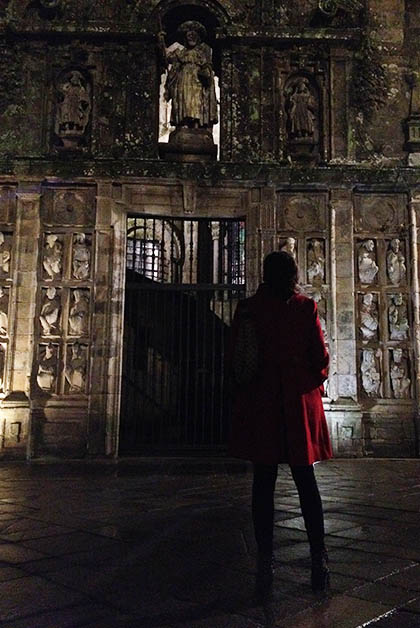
{"points": [[339, 185]]}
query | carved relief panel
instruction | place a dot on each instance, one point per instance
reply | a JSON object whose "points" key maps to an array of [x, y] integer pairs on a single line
{"points": [[383, 302]]}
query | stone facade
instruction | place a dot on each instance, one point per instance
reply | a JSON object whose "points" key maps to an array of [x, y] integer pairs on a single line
{"points": [[319, 152]]}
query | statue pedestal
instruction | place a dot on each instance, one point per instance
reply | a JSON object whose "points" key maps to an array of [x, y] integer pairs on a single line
{"points": [[189, 145], [303, 149]]}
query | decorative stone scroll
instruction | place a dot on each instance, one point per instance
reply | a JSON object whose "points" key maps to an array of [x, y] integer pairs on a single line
{"points": [[50, 311], [395, 263], [5, 253], [73, 109], [75, 370], [79, 313], [399, 372], [52, 261], [367, 265], [398, 317], [369, 321], [81, 256], [47, 368], [315, 262], [4, 311], [289, 245], [370, 372]]}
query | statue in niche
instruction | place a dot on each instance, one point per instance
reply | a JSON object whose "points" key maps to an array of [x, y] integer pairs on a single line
{"points": [[47, 369], [371, 378], [289, 246], [368, 317], [4, 255], [73, 108], [75, 371], [368, 268], [53, 256], [322, 312], [79, 313], [316, 262], [81, 257], [395, 263], [4, 312], [301, 109], [399, 375], [398, 318], [50, 312]]}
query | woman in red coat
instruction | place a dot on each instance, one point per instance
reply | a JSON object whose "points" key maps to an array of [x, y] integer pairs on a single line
{"points": [[278, 417]]}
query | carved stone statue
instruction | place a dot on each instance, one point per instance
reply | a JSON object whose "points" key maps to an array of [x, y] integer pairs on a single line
{"points": [[368, 317], [290, 246], [301, 108], [4, 255], [53, 256], [73, 108], [322, 312], [47, 369], [75, 371], [368, 268], [371, 378], [399, 375], [316, 262], [79, 313], [50, 312], [81, 257], [395, 263], [398, 318], [4, 312]]}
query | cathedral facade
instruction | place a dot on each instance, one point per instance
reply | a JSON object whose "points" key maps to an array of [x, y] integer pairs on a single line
{"points": [[151, 154]]}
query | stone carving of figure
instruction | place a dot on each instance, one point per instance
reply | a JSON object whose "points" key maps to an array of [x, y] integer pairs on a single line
{"points": [[399, 375], [395, 263], [322, 312], [316, 262], [301, 108], [75, 371], [79, 313], [4, 311], [398, 318], [74, 107], [47, 369], [366, 260], [371, 378], [53, 256], [81, 257], [190, 80], [290, 246], [368, 317], [4, 255], [50, 312]]}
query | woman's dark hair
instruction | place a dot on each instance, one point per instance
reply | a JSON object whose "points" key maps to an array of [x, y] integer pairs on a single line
{"points": [[280, 272]]}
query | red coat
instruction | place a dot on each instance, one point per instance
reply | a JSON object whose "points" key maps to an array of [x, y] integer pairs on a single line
{"points": [[279, 417]]}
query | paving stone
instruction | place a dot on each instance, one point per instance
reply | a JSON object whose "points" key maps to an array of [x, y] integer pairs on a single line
{"points": [[408, 578], [72, 617], [379, 591], [398, 619], [13, 553]]}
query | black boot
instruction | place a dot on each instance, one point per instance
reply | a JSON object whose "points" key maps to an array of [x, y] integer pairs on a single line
{"points": [[320, 574], [264, 579]]}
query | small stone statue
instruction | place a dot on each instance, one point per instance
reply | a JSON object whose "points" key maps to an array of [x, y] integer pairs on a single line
{"points": [[190, 80], [322, 312], [398, 318], [290, 246], [79, 313], [50, 312], [4, 312], [368, 317], [47, 369], [4, 255], [366, 261], [395, 263], [75, 371], [81, 257], [301, 108], [371, 378], [399, 375], [53, 256], [73, 108], [316, 262]]}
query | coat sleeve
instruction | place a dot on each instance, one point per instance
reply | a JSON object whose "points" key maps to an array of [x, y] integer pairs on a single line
{"points": [[318, 354]]}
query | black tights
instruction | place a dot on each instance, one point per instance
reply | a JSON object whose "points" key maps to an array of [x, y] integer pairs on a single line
{"points": [[263, 505]]}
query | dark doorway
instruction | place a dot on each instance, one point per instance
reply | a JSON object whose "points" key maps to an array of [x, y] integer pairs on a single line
{"points": [[184, 278]]}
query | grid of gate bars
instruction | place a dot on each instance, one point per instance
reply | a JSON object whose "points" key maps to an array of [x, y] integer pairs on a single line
{"points": [[186, 278]]}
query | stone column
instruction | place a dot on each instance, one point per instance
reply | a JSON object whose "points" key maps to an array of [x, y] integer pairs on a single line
{"points": [[415, 253], [344, 413], [15, 408]]}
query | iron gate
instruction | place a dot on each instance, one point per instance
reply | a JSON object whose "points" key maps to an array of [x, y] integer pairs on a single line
{"points": [[184, 278]]}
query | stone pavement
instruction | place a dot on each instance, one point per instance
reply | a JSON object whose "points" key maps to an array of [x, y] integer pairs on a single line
{"points": [[169, 544]]}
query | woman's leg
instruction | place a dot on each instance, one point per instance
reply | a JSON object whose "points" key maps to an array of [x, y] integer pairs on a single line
{"points": [[263, 506]]}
